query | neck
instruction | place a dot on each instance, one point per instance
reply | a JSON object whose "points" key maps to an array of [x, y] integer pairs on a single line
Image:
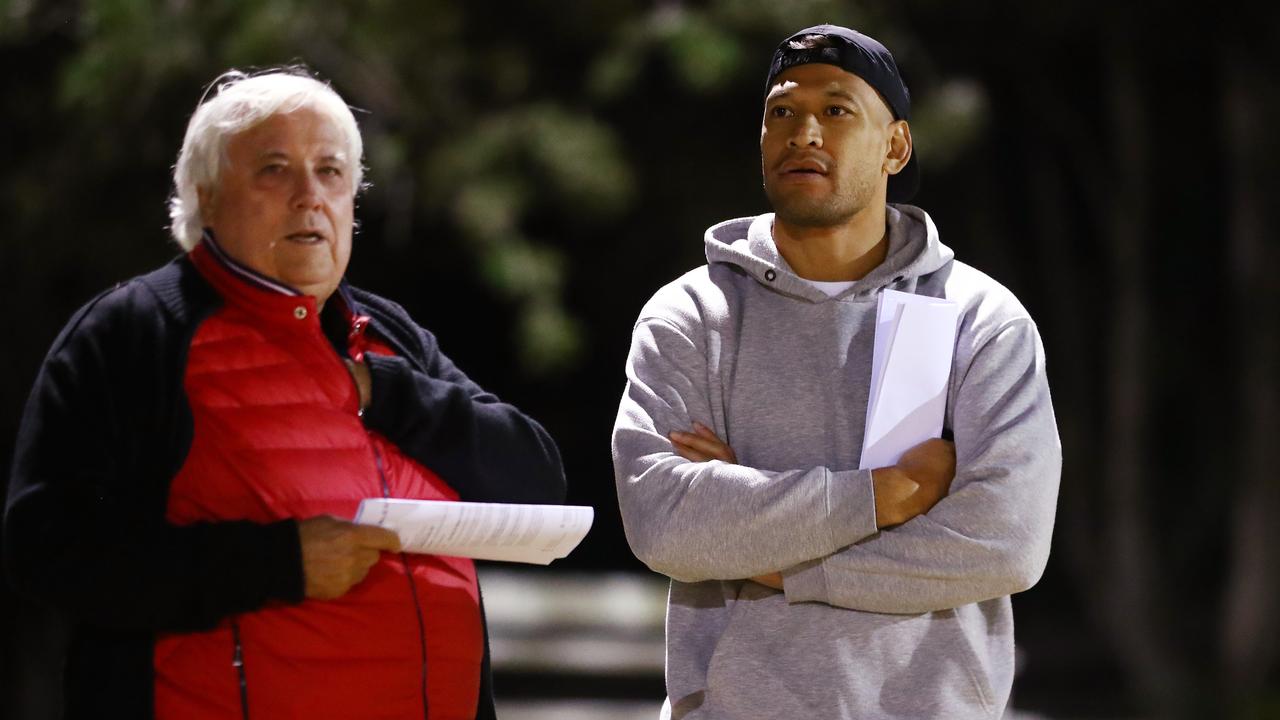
{"points": [[842, 252]]}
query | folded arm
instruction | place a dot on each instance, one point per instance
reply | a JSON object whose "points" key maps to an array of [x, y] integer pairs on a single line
{"points": [[707, 520], [903, 491], [989, 537]]}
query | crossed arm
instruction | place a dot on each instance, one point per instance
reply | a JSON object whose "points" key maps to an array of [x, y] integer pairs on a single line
{"points": [[902, 491], [870, 541]]}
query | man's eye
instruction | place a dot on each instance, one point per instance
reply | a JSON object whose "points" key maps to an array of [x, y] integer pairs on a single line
{"points": [[837, 111], [272, 169], [780, 112], [333, 170]]}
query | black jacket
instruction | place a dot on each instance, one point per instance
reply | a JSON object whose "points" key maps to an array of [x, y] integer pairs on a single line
{"points": [[107, 427]]}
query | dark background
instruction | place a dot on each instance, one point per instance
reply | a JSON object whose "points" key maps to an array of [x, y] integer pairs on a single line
{"points": [[538, 169]]}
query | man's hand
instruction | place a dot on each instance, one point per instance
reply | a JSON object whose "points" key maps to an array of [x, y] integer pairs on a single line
{"points": [[363, 380], [337, 554], [702, 445], [921, 478]]}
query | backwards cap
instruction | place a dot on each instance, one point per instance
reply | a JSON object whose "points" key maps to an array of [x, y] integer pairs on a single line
{"points": [[865, 57]]}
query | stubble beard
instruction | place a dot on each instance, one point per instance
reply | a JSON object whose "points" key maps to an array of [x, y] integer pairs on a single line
{"points": [[808, 211]]}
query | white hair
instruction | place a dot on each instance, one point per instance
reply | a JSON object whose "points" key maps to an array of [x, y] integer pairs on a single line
{"points": [[236, 102]]}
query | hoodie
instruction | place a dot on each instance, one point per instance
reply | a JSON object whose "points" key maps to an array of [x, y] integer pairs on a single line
{"points": [[913, 621]]}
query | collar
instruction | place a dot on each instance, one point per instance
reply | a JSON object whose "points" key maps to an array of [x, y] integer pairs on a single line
{"points": [[244, 272], [251, 292], [274, 302]]}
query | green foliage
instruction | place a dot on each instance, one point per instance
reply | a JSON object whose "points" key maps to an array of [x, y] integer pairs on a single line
{"points": [[549, 335], [477, 127], [947, 121], [1266, 707], [705, 48], [491, 177], [704, 55], [128, 48], [14, 18], [570, 160]]}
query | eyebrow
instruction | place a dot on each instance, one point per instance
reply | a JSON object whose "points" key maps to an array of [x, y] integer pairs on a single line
{"points": [[831, 92], [841, 93], [282, 155], [774, 95]]}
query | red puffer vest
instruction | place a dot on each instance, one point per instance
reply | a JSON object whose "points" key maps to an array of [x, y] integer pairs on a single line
{"points": [[277, 435]]}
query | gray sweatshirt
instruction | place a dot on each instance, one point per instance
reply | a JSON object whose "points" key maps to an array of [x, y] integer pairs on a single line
{"points": [[910, 622]]}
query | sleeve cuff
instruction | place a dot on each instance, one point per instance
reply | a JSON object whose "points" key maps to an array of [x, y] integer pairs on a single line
{"points": [[264, 561], [851, 516], [288, 585], [806, 582], [851, 507], [291, 586]]}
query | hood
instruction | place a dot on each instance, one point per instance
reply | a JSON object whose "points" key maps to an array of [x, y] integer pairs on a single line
{"points": [[914, 250]]}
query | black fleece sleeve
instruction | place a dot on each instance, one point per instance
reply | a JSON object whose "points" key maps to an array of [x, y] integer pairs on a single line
{"points": [[84, 522], [485, 449]]}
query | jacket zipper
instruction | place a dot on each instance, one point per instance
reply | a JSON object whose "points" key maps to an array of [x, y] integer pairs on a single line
{"points": [[413, 590], [354, 339], [237, 662]]}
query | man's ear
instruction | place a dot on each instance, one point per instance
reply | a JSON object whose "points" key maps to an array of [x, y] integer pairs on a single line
{"points": [[899, 147], [205, 197]]}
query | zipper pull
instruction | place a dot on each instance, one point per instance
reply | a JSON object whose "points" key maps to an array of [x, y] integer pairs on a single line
{"points": [[237, 662], [356, 342]]}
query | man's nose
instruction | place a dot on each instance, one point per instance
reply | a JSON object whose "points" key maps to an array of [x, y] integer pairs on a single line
{"points": [[306, 191], [808, 133]]}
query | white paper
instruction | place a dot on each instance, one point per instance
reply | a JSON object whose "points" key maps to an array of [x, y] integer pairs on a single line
{"points": [[485, 531], [886, 327], [911, 366]]}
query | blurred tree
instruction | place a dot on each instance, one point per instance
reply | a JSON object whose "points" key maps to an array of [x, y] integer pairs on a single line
{"points": [[440, 102], [482, 130], [1134, 140]]}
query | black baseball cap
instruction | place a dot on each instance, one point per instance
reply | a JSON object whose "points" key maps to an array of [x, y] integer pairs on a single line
{"points": [[865, 57]]}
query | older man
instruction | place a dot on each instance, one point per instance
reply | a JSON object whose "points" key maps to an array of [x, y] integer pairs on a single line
{"points": [[802, 585], [196, 435]]}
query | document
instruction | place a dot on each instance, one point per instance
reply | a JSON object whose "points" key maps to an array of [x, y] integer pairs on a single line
{"points": [[910, 371], [485, 531]]}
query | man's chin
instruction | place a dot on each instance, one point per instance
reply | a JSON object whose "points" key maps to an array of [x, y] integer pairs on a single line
{"points": [[799, 210], [811, 216], [311, 280]]}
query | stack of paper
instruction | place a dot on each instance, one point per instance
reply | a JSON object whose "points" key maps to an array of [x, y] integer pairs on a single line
{"points": [[911, 365], [486, 531]]}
